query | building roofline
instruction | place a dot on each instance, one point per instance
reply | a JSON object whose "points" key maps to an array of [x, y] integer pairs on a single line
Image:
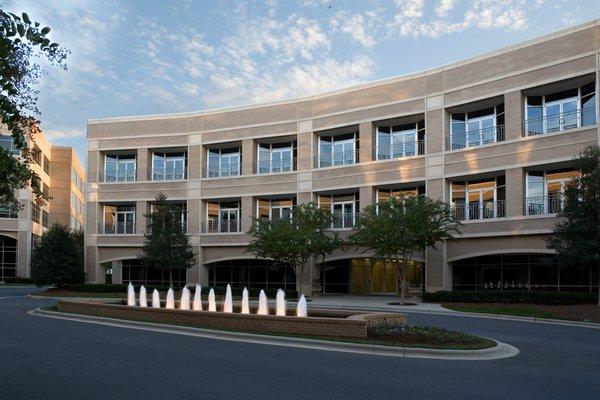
{"points": [[383, 81]]}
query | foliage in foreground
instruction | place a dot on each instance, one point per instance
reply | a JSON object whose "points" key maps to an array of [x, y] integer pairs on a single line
{"points": [[510, 296], [576, 238], [58, 258], [427, 336]]}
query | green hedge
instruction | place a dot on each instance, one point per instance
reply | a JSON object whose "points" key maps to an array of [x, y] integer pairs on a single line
{"points": [[116, 288], [25, 281], [511, 296]]}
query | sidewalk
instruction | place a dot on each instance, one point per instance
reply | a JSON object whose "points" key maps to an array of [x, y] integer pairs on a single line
{"points": [[378, 303]]}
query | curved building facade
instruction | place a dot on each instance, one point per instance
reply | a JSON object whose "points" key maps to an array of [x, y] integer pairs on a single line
{"points": [[494, 136]]}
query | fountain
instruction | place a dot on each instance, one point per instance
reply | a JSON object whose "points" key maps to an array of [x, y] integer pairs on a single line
{"points": [[263, 308], [184, 303], [130, 295], [197, 306], [245, 302], [170, 299], [212, 306], [280, 303], [155, 299], [143, 300], [228, 303], [301, 309]]}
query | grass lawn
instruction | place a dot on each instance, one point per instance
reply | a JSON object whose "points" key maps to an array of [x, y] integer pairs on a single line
{"points": [[397, 336]]}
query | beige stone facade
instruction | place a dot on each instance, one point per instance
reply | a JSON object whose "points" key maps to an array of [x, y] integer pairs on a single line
{"points": [[55, 167], [492, 135]]}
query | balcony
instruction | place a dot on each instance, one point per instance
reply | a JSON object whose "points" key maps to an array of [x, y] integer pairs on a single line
{"points": [[117, 176], [276, 166], [479, 210], [344, 221], [539, 205], [348, 157], [221, 171], [475, 138], [168, 175], [221, 226], [559, 122], [118, 228], [401, 150]]}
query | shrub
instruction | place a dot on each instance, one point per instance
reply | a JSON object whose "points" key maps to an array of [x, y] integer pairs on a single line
{"points": [[25, 281], [58, 258], [511, 296]]}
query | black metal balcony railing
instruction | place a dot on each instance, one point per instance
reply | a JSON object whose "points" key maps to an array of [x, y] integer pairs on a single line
{"points": [[117, 176], [183, 227], [538, 205], [408, 149], [559, 122], [344, 221], [475, 138], [166, 175], [480, 210], [118, 228], [221, 226], [335, 159], [275, 166], [221, 171]]}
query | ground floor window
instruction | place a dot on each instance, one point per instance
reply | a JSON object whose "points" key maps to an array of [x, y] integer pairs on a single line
{"points": [[521, 271], [362, 276], [251, 273], [133, 271], [8, 257]]}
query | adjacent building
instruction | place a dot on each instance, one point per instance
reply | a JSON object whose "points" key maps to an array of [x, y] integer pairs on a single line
{"points": [[494, 136], [62, 178]]}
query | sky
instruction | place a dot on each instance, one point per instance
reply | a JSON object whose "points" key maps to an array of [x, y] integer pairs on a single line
{"points": [[158, 57]]}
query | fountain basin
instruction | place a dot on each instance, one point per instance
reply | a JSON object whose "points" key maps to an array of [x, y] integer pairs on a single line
{"points": [[318, 323]]}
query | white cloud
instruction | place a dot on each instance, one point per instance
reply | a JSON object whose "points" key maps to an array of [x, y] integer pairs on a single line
{"points": [[355, 26], [444, 7]]}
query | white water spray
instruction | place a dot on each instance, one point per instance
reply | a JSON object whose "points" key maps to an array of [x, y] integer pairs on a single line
{"points": [[197, 306], [170, 300], [263, 308], [245, 302], [301, 309], [143, 299], [280, 303], [130, 295], [184, 303], [228, 303], [155, 299], [212, 305]]}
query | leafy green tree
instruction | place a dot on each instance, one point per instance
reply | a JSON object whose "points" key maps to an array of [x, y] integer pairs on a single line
{"points": [[58, 258], [21, 41], [166, 244], [295, 240], [576, 238], [396, 230]]}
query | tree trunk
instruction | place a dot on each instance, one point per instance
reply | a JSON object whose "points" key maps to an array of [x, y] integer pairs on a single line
{"points": [[170, 277], [299, 280], [401, 280]]}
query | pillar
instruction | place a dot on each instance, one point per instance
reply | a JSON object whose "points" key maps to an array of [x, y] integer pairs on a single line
{"points": [[366, 140], [515, 192], [513, 115], [248, 157]]}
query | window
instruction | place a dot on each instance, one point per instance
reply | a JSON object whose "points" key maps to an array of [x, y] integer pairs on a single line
{"points": [[8, 144], [275, 157], [546, 189], [46, 190], [222, 217], [400, 141], [338, 150], [481, 199], [119, 168], [476, 127], [560, 111], [77, 180], [36, 154], [39, 215], [168, 166], [223, 162], [275, 209], [119, 219], [8, 212], [8, 257], [47, 165], [75, 224], [343, 208], [179, 212], [384, 195]]}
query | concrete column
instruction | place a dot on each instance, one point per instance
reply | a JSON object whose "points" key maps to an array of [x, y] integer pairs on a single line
{"points": [[117, 272], [248, 157], [248, 212], [193, 217], [141, 209], [513, 115], [366, 136], [436, 270], [194, 162], [366, 197], [304, 151], [23, 254], [515, 192], [434, 131], [143, 164], [436, 189], [305, 197]]}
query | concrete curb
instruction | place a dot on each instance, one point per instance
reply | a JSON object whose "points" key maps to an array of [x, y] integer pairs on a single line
{"points": [[502, 350]]}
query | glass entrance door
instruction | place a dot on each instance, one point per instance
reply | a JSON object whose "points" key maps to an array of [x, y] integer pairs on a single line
{"points": [[383, 278]]}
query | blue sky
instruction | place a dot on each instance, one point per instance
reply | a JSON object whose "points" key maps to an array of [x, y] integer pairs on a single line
{"points": [[148, 57]]}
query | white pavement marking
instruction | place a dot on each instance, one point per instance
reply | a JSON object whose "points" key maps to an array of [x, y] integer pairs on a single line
{"points": [[502, 350]]}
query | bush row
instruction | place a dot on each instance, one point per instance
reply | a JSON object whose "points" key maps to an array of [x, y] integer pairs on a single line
{"points": [[25, 281], [116, 288], [512, 296]]}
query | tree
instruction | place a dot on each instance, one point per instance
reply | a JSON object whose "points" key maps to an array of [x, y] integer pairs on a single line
{"points": [[58, 258], [394, 231], [576, 238], [295, 240], [20, 42], [166, 245]]}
